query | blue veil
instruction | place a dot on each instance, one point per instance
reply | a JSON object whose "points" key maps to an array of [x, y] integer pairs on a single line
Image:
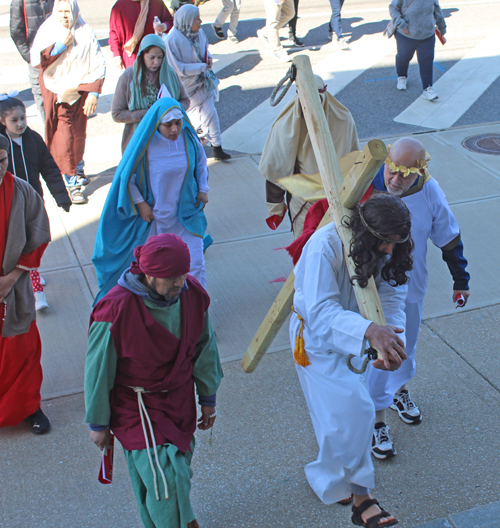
{"points": [[121, 228]]}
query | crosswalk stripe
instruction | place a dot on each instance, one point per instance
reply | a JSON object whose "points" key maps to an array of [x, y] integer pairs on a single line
{"points": [[338, 70], [458, 88]]}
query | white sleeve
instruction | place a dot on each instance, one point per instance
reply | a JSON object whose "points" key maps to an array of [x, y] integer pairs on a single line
{"points": [[341, 329], [393, 300], [134, 191], [444, 224], [202, 170]]}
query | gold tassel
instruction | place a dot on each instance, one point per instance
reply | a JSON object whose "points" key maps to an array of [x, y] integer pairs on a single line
{"points": [[299, 354]]}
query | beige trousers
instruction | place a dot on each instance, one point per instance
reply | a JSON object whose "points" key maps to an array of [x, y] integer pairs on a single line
{"points": [[277, 15]]}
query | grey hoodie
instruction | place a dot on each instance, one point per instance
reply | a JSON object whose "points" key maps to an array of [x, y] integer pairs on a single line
{"points": [[420, 17]]}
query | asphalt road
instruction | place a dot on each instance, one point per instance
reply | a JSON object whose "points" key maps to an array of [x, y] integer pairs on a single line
{"points": [[371, 96]]}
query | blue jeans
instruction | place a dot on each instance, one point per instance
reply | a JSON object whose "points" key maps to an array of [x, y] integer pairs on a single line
{"points": [[335, 20], [425, 55]]}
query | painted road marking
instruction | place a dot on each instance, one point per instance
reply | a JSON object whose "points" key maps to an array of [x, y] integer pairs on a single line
{"points": [[249, 134]]}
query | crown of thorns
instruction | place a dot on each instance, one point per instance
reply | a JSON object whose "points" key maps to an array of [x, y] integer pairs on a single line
{"points": [[378, 235]]}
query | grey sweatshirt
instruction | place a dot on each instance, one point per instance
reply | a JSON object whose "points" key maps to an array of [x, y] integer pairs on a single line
{"points": [[420, 17]]}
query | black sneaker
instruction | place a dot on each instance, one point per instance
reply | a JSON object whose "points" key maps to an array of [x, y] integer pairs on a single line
{"points": [[295, 42], [218, 32], [39, 423], [382, 445]]}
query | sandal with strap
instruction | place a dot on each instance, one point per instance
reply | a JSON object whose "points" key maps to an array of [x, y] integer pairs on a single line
{"points": [[373, 521], [76, 195], [346, 501]]}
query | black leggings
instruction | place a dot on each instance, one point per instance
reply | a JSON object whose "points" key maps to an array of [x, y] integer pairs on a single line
{"points": [[292, 25], [425, 55]]}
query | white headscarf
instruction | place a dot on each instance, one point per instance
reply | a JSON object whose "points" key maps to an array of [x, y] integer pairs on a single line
{"points": [[82, 62], [171, 115], [184, 19]]}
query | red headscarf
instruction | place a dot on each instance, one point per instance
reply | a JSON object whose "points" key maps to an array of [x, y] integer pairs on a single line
{"points": [[163, 256]]}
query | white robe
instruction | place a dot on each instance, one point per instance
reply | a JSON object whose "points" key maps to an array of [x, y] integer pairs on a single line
{"points": [[431, 217], [341, 409], [186, 63], [168, 163]]}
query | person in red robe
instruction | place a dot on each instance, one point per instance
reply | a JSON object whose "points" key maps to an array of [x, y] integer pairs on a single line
{"points": [[24, 235], [130, 22]]}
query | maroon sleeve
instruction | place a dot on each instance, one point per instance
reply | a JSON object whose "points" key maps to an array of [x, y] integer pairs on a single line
{"points": [[46, 59], [116, 32], [96, 86]]}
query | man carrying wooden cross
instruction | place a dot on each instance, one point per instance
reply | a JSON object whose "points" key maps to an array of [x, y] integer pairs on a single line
{"points": [[328, 326]]}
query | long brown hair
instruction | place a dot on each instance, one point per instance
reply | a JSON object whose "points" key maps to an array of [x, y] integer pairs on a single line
{"points": [[388, 216], [142, 67]]}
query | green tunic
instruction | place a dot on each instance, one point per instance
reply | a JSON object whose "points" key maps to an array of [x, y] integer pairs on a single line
{"points": [[100, 371]]}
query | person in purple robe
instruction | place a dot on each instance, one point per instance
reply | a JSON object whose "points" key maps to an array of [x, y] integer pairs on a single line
{"points": [[151, 342]]}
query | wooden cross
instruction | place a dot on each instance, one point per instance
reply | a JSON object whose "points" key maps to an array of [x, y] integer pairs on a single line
{"points": [[342, 194]]}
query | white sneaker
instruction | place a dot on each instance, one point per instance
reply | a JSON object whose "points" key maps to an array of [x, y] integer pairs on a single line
{"points": [[343, 44], [40, 301], [263, 36], [43, 282], [282, 55], [429, 94], [401, 83], [382, 442], [406, 407]]}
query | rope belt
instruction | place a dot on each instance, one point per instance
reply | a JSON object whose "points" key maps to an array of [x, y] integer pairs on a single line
{"points": [[144, 413]]}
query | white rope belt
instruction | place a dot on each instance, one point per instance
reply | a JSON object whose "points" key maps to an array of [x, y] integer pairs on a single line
{"points": [[143, 412]]}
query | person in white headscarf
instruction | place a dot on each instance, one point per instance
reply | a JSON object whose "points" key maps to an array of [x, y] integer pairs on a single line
{"points": [[187, 53], [72, 71]]}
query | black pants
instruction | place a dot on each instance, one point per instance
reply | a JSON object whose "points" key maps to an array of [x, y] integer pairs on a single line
{"points": [[425, 55], [292, 25]]}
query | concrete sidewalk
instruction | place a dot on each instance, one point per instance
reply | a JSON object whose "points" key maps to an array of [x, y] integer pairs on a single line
{"points": [[252, 475]]}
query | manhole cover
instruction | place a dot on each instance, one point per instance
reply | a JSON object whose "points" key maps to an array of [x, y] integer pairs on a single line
{"points": [[484, 143]]}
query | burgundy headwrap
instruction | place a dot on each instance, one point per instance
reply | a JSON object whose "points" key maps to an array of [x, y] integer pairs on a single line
{"points": [[163, 256]]}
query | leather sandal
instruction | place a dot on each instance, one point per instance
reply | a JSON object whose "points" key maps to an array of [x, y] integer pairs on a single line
{"points": [[374, 520], [344, 502]]}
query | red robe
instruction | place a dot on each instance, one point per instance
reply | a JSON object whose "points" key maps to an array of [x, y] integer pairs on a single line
{"points": [[20, 368], [124, 15]]}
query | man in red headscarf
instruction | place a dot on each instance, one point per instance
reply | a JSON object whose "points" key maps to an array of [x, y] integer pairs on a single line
{"points": [[150, 343], [24, 235]]}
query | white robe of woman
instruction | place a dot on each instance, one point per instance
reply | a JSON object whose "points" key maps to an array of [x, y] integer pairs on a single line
{"points": [[184, 60], [342, 411], [431, 218], [168, 164]]}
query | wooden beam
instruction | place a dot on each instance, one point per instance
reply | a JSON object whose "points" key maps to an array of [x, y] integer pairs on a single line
{"points": [[331, 175], [348, 189], [274, 319]]}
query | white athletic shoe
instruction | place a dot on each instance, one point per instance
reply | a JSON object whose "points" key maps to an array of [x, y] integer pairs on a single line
{"points": [[382, 443], [343, 44], [40, 301], [263, 37], [407, 410], [282, 55], [42, 281], [429, 94], [401, 83]]}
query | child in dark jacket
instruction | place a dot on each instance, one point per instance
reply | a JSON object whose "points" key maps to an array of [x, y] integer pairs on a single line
{"points": [[28, 158]]}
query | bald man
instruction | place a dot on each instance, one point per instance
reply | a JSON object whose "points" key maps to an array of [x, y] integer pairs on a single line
{"points": [[405, 174]]}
